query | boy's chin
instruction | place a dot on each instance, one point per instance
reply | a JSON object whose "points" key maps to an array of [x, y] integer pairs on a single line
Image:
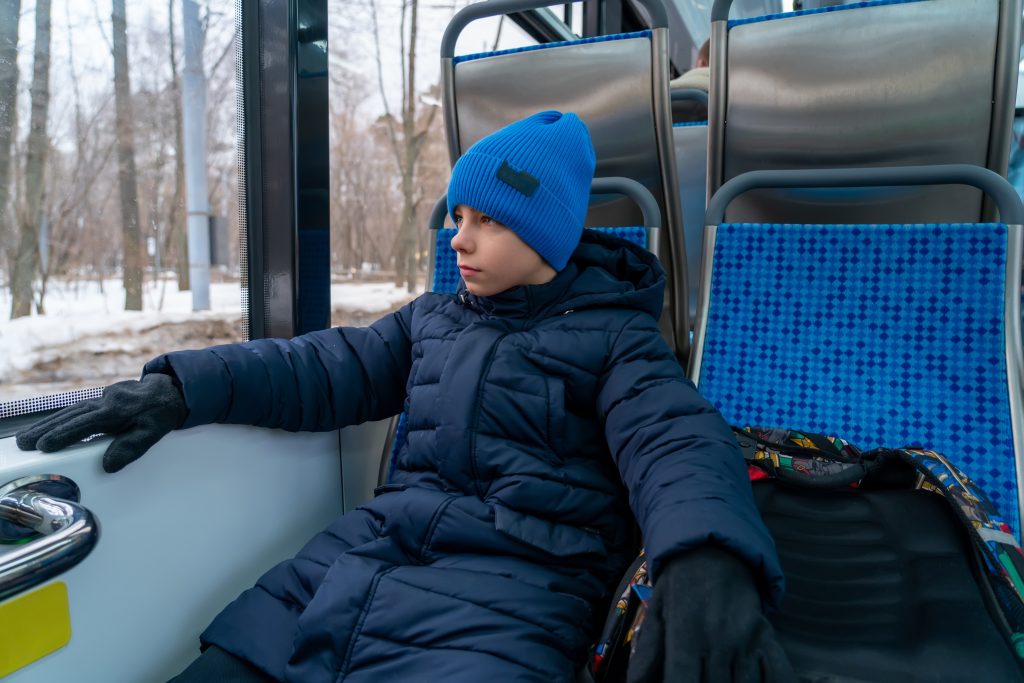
{"points": [[479, 290]]}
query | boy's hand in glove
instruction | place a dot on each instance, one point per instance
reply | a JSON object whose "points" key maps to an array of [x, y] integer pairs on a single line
{"points": [[704, 623], [136, 413]]}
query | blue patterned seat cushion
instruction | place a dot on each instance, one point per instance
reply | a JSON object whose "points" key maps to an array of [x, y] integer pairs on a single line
{"points": [[446, 279], [885, 335]]}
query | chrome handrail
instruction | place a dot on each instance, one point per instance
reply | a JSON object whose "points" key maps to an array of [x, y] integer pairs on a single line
{"points": [[69, 533]]}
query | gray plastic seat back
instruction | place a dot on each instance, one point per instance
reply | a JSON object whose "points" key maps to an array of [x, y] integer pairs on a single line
{"points": [[885, 83], [617, 84]]}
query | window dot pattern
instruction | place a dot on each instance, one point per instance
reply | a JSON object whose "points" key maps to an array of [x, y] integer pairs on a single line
{"points": [[27, 406], [885, 335]]}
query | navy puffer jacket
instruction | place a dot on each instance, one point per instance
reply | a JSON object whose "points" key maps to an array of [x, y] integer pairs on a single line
{"points": [[535, 415]]}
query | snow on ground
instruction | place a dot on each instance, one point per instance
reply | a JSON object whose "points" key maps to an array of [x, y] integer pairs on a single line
{"points": [[88, 315]]}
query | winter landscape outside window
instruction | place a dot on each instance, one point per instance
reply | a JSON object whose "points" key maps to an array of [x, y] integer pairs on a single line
{"points": [[93, 209], [97, 125]]}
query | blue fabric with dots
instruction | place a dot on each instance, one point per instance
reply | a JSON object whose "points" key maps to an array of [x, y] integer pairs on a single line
{"points": [[886, 335], [446, 280]]}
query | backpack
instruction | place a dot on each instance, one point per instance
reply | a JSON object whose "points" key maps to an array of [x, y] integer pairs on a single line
{"points": [[813, 461]]}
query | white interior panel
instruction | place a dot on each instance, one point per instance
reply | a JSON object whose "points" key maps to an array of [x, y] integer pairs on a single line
{"points": [[182, 532]]}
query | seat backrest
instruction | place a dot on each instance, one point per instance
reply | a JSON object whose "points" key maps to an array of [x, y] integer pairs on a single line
{"points": [[878, 83], [689, 105], [618, 85], [885, 335]]}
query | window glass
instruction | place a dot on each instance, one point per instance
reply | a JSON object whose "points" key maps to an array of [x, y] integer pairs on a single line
{"points": [[376, 128], [571, 15], [94, 178], [1015, 169]]}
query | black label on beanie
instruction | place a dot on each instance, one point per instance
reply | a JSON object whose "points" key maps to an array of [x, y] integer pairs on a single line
{"points": [[520, 180]]}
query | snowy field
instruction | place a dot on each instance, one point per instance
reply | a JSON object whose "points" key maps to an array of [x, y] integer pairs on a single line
{"points": [[86, 339]]}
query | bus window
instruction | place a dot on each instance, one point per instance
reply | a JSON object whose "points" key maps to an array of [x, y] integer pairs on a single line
{"points": [[117, 171]]}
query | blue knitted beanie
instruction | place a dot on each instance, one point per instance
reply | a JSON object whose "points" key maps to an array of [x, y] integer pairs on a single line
{"points": [[534, 177]]}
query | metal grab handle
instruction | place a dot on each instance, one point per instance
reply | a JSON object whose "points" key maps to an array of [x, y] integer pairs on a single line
{"points": [[610, 185], [494, 8], [720, 10], [635, 191], [69, 531], [1011, 211], [438, 213]]}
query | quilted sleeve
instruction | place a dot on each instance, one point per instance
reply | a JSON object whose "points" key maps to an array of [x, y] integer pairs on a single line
{"points": [[687, 481], [319, 381]]}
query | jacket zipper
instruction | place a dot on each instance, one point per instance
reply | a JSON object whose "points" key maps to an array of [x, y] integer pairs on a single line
{"points": [[476, 415]]}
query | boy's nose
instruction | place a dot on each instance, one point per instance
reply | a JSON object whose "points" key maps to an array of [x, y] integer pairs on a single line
{"points": [[460, 242]]}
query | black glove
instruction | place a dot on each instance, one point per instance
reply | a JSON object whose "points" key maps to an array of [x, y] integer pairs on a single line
{"points": [[137, 413], [704, 623]]}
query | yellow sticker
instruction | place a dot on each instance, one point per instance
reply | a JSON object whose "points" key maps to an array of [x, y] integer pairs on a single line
{"points": [[33, 625]]}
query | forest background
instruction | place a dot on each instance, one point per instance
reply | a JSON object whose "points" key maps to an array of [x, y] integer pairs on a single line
{"points": [[94, 128]]}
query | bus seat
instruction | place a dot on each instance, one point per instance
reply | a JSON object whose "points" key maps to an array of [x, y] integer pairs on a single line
{"points": [[885, 335], [443, 271], [691, 143], [618, 85], [878, 83], [689, 105]]}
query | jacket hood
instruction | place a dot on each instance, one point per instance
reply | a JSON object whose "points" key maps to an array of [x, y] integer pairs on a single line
{"points": [[603, 270]]}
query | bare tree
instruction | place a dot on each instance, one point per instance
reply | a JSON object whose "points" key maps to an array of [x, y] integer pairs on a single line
{"points": [[72, 177], [350, 153], [406, 139], [176, 233], [221, 127], [131, 242], [10, 14], [35, 159]]}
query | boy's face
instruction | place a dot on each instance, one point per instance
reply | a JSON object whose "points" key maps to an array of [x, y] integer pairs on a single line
{"points": [[491, 257]]}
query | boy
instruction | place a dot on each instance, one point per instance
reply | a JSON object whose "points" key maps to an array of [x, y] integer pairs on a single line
{"points": [[532, 396]]}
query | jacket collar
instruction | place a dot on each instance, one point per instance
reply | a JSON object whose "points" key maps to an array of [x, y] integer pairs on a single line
{"points": [[524, 301], [604, 271]]}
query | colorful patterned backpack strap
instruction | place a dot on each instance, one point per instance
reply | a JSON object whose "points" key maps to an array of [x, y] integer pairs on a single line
{"points": [[611, 655], [800, 457], [993, 537]]}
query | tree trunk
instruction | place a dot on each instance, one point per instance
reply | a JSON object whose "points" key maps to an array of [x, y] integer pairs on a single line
{"points": [[406, 266], [10, 12], [132, 273], [178, 232], [35, 161]]}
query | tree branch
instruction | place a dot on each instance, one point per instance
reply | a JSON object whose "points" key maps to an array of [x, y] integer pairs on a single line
{"points": [[99, 23], [390, 120]]}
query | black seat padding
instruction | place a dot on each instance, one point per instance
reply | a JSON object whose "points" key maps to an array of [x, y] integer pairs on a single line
{"points": [[880, 586]]}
